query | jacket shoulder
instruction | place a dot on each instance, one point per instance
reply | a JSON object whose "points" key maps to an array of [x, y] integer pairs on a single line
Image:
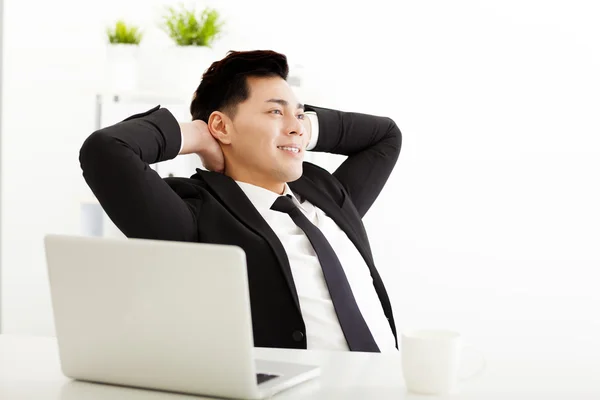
{"points": [[186, 188]]}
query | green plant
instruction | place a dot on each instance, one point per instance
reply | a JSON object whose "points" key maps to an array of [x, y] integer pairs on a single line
{"points": [[189, 28], [123, 33]]}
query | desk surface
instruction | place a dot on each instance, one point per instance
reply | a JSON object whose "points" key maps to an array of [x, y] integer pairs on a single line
{"points": [[29, 369]]}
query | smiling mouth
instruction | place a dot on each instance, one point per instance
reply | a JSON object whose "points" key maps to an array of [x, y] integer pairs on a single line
{"points": [[291, 149]]}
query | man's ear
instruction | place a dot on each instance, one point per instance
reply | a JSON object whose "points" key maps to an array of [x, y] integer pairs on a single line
{"points": [[219, 126]]}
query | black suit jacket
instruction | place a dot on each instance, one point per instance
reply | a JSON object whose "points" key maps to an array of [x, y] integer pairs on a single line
{"points": [[210, 207]]}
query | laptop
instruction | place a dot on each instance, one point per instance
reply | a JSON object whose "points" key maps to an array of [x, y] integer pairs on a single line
{"points": [[159, 315]]}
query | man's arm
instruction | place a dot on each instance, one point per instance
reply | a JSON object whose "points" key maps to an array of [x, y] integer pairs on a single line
{"points": [[115, 162], [372, 144]]}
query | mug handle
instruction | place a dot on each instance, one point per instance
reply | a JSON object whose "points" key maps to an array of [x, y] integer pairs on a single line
{"points": [[480, 370]]}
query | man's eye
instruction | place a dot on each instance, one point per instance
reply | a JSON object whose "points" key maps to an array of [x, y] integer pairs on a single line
{"points": [[277, 112], [300, 116]]}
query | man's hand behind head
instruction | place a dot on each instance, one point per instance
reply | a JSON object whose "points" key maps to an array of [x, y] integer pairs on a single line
{"points": [[197, 139]]}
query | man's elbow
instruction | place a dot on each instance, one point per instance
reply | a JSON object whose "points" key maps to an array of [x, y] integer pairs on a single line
{"points": [[393, 132], [92, 149]]}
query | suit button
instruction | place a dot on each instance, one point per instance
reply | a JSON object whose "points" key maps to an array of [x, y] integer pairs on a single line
{"points": [[297, 336]]}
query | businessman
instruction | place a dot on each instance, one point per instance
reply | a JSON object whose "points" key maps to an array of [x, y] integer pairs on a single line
{"points": [[312, 280]]}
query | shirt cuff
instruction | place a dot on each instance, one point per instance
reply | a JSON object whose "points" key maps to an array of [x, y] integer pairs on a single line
{"points": [[181, 148], [314, 127]]}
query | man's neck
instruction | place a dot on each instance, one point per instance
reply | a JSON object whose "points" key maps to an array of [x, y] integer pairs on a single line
{"points": [[242, 173], [276, 187]]}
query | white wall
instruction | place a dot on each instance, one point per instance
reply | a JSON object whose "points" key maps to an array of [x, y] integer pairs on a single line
{"points": [[490, 221]]}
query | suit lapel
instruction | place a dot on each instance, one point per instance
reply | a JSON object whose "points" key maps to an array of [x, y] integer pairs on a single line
{"points": [[233, 197]]}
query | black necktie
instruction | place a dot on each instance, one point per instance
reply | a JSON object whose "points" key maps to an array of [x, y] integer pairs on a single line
{"points": [[353, 324]]}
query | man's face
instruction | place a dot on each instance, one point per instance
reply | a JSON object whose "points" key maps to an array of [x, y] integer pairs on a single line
{"points": [[269, 135]]}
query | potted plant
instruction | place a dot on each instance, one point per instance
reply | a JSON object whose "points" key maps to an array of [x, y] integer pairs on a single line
{"points": [[122, 54], [193, 33], [121, 33], [190, 28]]}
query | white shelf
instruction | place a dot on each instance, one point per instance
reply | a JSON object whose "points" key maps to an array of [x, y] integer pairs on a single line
{"points": [[144, 97]]}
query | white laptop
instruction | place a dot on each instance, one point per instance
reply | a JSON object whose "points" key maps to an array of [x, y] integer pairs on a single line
{"points": [[159, 315]]}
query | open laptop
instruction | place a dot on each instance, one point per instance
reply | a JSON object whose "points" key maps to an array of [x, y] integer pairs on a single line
{"points": [[159, 315]]}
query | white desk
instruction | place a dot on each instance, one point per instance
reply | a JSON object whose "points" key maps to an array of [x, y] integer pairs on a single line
{"points": [[29, 370]]}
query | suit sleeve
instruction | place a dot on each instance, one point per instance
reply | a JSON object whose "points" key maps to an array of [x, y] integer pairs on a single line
{"points": [[115, 162], [372, 144]]}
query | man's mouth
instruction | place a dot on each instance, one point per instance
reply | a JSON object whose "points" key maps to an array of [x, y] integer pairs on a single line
{"points": [[292, 149]]}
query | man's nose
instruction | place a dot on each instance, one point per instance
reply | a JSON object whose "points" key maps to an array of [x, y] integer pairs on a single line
{"points": [[296, 127]]}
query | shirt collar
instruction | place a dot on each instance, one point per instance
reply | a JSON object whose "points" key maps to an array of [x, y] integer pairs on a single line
{"points": [[263, 198]]}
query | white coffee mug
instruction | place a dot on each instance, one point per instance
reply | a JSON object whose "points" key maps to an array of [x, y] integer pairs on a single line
{"points": [[431, 360]]}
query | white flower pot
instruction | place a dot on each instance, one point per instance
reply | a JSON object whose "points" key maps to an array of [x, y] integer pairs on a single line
{"points": [[121, 67], [174, 71]]}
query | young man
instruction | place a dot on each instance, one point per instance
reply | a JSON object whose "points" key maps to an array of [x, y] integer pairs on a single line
{"points": [[312, 279]]}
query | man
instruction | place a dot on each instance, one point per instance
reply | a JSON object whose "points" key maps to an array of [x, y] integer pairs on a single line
{"points": [[312, 279]]}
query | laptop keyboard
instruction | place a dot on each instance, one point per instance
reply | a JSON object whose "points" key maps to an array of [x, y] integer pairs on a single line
{"points": [[261, 378]]}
